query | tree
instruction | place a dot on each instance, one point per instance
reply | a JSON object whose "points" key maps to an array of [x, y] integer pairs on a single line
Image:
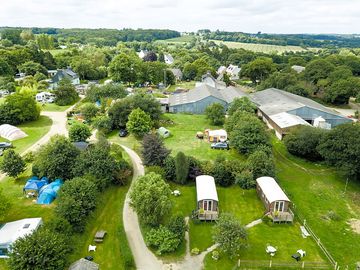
{"points": [[65, 93], [302, 141], [56, 159], [340, 147], [42, 249], [153, 151], [222, 174], [248, 136], [245, 180], [150, 197], [5, 204], [150, 57], [258, 70], [297, 60], [241, 104], [119, 112], [89, 110], [261, 164], [79, 132], [19, 108], [5, 68], [76, 200], [31, 68], [280, 80], [123, 68], [318, 69], [340, 91], [163, 239], [139, 123], [215, 113], [181, 168], [27, 35], [12, 163], [102, 123], [112, 90], [170, 168], [230, 234]]}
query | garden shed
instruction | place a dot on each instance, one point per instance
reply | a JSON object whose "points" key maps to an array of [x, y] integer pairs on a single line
{"points": [[207, 205], [12, 231], [276, 202], [163, 132], [11, 133]]}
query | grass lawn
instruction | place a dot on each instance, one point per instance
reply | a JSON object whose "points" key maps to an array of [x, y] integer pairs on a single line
{"points": [[315, 190], [187, 38], [35, 130], [52, 107], [183, 138], [185, 85]]}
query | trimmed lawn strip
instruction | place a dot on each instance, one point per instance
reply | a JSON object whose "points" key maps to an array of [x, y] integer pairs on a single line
{"points": [[52, 107], [316, 190]]}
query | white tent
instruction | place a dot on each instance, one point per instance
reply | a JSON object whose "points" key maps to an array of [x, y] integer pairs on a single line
{"points": [[12, 231], [11, 133]]}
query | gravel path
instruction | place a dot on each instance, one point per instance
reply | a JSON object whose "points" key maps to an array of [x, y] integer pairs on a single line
{"points": [[58, 126]]}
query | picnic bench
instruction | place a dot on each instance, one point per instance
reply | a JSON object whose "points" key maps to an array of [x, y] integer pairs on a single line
{"points": [[99, 236]]}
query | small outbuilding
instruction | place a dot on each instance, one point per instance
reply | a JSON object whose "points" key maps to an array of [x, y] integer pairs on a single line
{"points": [[163, 132], [207, 205], [276, 203], [84, 264], [12, 231]]}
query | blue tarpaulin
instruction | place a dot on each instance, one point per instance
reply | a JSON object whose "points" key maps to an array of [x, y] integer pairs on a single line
{"points": [[34, 183], [49, 192]]}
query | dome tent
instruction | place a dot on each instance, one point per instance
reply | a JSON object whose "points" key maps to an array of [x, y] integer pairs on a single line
{"points": [[49, 192], [11, 133], [35, 183]]}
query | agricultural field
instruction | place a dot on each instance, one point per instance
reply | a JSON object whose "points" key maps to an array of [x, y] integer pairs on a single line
{"points": [[265, 48], [182, 39]]}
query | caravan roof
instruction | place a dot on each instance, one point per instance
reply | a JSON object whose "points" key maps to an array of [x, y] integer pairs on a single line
{"points": [[205, 188]]}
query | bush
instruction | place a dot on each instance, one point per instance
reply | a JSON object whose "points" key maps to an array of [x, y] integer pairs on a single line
{"points": [[177, 226], [29, 157], [153, 150], [156, 169], [163, 240], [102, 123], [261, 164], [89, 111], [223, 176], [194, 168], [65, 93], [12, 163], [181, 168], [215, 113], [195, 251], [59, 225], [139, 123], [79, 132], [245, 180], [169, 168]]}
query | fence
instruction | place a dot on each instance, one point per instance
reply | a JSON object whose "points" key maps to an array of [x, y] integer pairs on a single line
{"points": [[280, 265]]}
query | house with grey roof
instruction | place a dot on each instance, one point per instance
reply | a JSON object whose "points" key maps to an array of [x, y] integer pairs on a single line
{"points": [[282, 110], [177, 73], [211, 81], [168, 59], [84, 264], [196, 100], [61, 74]]}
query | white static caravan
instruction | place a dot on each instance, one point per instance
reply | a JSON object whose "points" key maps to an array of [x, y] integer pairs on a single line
{"points": [[207, 206]]}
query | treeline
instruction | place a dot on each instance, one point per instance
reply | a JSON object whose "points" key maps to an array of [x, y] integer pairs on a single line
{"points": [[303, 40], [100, 37]]}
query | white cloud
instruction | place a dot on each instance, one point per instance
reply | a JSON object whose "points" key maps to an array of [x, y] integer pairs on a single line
{"points": [[271, 16]]}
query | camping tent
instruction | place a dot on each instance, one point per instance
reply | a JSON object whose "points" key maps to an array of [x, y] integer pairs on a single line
{"points": [[11, 133], [35, 183], [163, 132], [49, 192]]}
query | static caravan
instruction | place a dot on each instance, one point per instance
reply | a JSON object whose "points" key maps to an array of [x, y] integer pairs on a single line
{"points": [[219, 135], [276, 203], [207, 205]]}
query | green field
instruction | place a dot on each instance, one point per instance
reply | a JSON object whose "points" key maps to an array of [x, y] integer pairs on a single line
{"points": [[265, 48], [52, 107], [185, 85], [182, 39], [35, 130]]}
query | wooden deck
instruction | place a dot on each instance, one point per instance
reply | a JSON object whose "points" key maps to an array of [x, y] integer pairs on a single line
{"points": [[282, 216], [205, 215]]}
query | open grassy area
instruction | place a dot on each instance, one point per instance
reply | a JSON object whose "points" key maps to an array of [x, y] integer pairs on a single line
{"points": [[52, 107], [187, 38], [185, 85], [318, 193], [35, 130], [265, 48]]}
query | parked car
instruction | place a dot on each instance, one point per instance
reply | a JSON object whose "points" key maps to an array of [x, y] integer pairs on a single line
{"points": [[220, 145], [5, 145], [123, 132]]}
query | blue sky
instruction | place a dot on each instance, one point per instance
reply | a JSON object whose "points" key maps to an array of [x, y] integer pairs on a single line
{"points": [[270, 16]]}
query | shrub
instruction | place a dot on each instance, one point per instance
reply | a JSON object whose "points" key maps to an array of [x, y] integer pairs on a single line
{"points": [[89, 110], [222, 174], [215, 113], [181, 168], [79, 132], [194, 168], [163, 240], [177, 226], [153, 150], [195, 251], [261, 164], [245, 180], [12, 164], [169, 168], [156, 169], [59, 225], [102, 123], [139, 123]]}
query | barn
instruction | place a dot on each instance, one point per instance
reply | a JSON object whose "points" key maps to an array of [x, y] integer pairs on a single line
{"points": [[282, 110], [276, 203]]}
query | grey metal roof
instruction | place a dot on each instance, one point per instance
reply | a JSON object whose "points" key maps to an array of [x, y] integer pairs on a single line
{"points": [[231, 92], [273, 101], [84, 264], [196, 94], [177, 72], [64, 73]]}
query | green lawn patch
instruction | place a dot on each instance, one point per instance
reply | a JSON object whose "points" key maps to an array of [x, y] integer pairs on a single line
{"points": [[52, 107], [318, 194], [185, 85]]}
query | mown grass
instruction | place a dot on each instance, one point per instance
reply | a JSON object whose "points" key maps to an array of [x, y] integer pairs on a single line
{"points": [[35, 130], [52, 107], [182, 39], [184, 85], [316, 190]]}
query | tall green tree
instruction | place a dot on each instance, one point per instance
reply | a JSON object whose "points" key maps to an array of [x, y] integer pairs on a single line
{"points": [[318, 69], [123, 68], [65, 93], [12, 163], [150, 197], [153, 151], [259, 69], [261, 164], [241, 104], [79, 132], [215, 113], [181, 168], [139, 123]]}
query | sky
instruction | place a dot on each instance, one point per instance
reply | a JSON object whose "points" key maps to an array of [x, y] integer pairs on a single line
{"points": [[267, 16]]}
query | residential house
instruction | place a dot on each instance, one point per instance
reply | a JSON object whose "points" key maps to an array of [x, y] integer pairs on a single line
{"points": [[211, 81], [12, 231], [142, 54], [276, 203], [282, 110], [168, 59], [84, 264], [61, 74], [177, 74], [233, 72]]}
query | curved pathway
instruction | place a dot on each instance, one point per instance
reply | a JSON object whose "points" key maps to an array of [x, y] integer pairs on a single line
{"points": [[58, 127]]}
